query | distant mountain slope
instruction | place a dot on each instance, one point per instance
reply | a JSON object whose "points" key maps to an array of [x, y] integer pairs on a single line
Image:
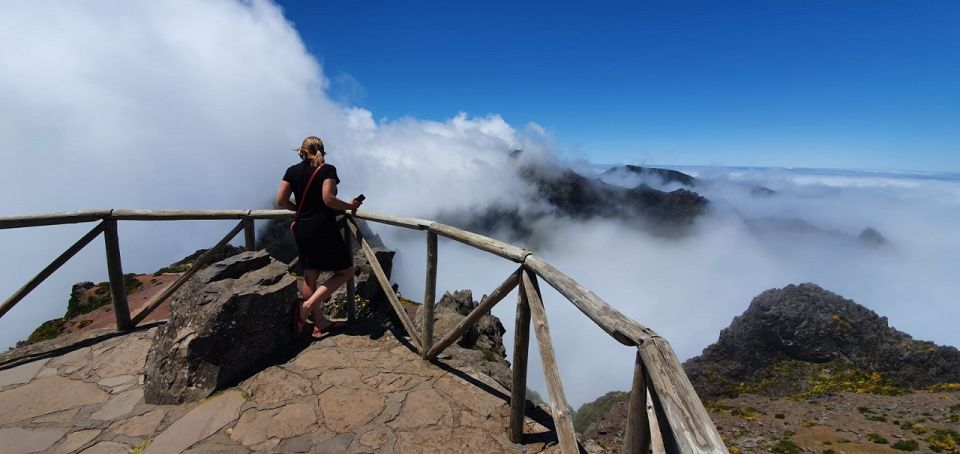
{"points": [[666, 176], [580, 197], [805, 368], [632, 176], [560, 191], [794, 339]]}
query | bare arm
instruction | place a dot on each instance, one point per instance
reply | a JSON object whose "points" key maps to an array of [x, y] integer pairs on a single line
{"points": [[331, 200], [282, 200]]}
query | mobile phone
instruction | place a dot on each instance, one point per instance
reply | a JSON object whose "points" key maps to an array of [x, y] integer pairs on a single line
{"points": [[361, 198]]}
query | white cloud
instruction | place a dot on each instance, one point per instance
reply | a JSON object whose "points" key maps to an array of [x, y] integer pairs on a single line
{"points": [[182, 104]]}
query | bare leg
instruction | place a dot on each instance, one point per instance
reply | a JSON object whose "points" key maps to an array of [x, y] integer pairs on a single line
{"points": [[323, 291], [308, 286]]}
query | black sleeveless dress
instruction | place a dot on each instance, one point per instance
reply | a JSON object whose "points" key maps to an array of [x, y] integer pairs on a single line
{"points": [[319, 244]]}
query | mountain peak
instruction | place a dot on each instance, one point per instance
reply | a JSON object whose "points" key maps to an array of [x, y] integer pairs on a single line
{"points": [[790, 338]]}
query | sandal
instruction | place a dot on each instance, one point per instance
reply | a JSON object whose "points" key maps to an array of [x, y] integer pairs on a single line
{"points": [[333, 326]]}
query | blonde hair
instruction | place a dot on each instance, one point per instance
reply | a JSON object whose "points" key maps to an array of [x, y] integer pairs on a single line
{"points": [[312, 150]]}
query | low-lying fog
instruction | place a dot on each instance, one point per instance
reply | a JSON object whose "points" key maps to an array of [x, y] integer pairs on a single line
{"points": [[156, 121], [688, 289]]}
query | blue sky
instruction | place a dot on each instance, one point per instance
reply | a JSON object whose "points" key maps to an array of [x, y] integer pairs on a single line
{"points": [[872, 85]]}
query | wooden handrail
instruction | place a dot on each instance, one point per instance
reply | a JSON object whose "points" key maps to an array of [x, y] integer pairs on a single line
{"points": [[36, 220], [53, 266], [676, 419], [199, 263]]}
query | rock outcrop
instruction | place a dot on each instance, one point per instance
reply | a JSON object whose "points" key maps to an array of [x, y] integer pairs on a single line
{"points": [[603, 421], [560, 191], [665, 176], [486, 335], [792, 339], [222, 322], [185, 263], [803, 341], [579, 197], [482, 345]]}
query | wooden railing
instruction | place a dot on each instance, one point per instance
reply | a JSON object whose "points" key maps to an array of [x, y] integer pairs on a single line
{"points": [[665, 413]]}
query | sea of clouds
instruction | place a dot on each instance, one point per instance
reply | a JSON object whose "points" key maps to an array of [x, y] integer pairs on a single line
{"points": [[197, 105]]}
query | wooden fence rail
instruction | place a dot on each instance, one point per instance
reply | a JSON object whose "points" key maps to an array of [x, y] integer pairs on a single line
{"points": [[665, 413]]}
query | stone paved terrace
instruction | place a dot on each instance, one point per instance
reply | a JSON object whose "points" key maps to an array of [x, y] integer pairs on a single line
{"points": [[346, 392]]}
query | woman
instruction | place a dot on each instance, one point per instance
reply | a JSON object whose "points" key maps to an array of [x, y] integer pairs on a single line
{"points": [[320, 247]]}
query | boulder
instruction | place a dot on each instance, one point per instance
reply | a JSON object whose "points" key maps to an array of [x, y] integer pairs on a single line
{"points": [[225, 320]]}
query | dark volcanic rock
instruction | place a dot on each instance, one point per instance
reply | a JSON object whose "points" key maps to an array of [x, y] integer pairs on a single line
{"points": [[560, 191], [487, 334], [872, 237], [482, 344], [186, 262], [225, 320], [579, 197], [809, 327], [665, 175], [277, 239]]}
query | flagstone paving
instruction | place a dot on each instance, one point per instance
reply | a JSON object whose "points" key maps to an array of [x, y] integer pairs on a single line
{"points": [[342, 393]]}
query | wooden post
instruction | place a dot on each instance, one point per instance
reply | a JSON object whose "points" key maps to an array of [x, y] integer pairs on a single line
{"points": [[118, 288], [474, 316], [387, 289], [429, 293], [562, 419], [637, 438], [656, 440], [53, 266], [351, 286], [249, 234], [198, 264], [686, 425], [521, 347]]}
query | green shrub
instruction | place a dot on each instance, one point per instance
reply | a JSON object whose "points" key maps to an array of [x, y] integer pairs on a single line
{"points": [[944, 440], [876, 438], [906, 445], [488, 354], [48, 330], [779, 416], [591, 411], [785, 447], [99, 297]]}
